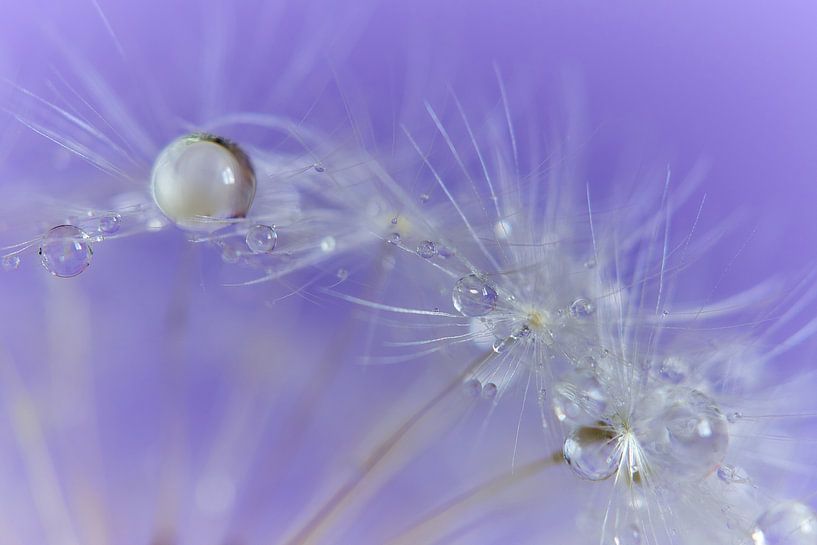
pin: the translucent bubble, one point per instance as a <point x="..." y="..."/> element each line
<point x="683" y="431"/>
<point x="394" y="238"/>
<point x="473" y="296"/>
<point x="592" y="453"/>
<point x="10" y="262"/>
<point x="261" y="239"/>
<point x="629" y="535"/>
<point x="65" y="251"/>
<point x="202" y="177"/>
<point x="427" y="249"/>
<point x="788" y="523"/>
<point x="581" y="308"/>
<point x="109" y="224"/>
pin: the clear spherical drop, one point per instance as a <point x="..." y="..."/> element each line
<point x="489" y="391"/>
<point x="427" y="249"/>
<point x="581" y="308"/>
<point x="109" y="224"/>
<point x="10" y="262"/>
<point x="591" y="453"/>
<point x="199" y="179"/>
<point x="66" y="251"/>
<point x="473" y="296"/>
<point x="394" y="238"/>
<point x="788" y="523"/>
<point x="683" y="431"/>
<point x="261" y="239"/>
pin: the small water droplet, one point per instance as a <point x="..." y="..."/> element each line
<point x="394" y="238"/>
<point x="109" y="224"/>
<point x="424" y="198"/>
<point x="581" y="308"/>
<point x="65" y="251"/>
<point x="328" y="244"/>
<point x="342" y="274"/>
<point x="473" y="296"/>
<point x="261" y="239"/>
<point x="319" y="167"/>
<point x="732" y="475"/>
<point x="590" y="264"/>
<point x="10" y="262"/>
<point x="489" y="391"/>
<point x="591" y="453"/>
<point x="787" y="523"/>
<point x="427" y="249"/>
<point x="734" y="417"/>
<point x="394" y="220"/>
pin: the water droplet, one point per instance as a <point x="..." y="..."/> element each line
<point x="65" y="251"/>
<point x="581" y="308"/>
<point x="672" y="370"/>
<point x="394" y="238"/>
<point x="427" y="249"/>
<point x="502" y="230"/>
<point x="199" y="178"/>
<point x="424" y="198"/>
<point x="472" y="296"/>
<point x="592" y="453"/>
<point x="732" y="475"/>
<point x="319" y="167"/>
<point x="489" y="391"/>
<point x="109" y="224"/>
<point x="473" y="387"/>
<point x="629" y="535"/>
<point x="342" y="274"/>
<point x="590" y="264"/>
<point x="734" y="417"/>
<point x="684" y="430"/>
<point x="261" y="239"/>
<point x="788" y="523"/>
<point x="394" y="220"/>
<point x="328" y="244"/>
<point x="10" y="262"/>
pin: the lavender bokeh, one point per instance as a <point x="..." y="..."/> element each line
<point x="145" y="366"/>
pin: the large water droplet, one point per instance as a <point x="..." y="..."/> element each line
<point x="592" y="453"/>
<point x="788" y="523"/>
<point x="66" y="251"/>
<point x="200" y="178"/>
<point x="473" y="296"/>
<point x="261" y="239"/>
<point x="683" y="431"/>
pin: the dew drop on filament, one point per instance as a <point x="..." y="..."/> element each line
<point x="261" y="239"/>
<point x="591" y="453"/>
<point x="473" y="296"/>
<point x="66" y="251"/>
